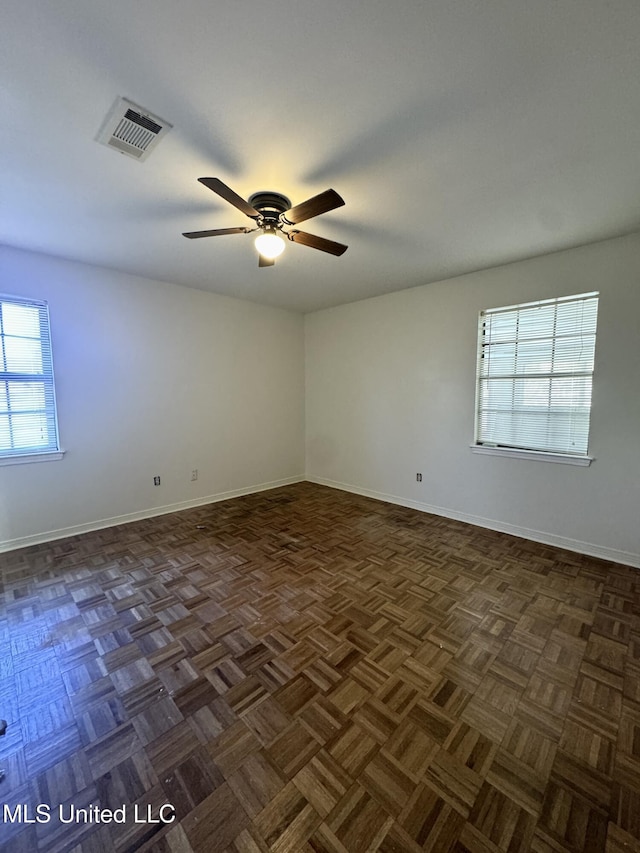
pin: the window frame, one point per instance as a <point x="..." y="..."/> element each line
<point x="486" y="446"/>
<point x="34" y="453"/>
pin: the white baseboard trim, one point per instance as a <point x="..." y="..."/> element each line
<point x="625" y="557"/>
<point x="63" y="533"/>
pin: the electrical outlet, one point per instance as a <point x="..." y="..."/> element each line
<point x="194" y="475"/>
<point x="418" y="478"/>
<point x="156" y="481"/>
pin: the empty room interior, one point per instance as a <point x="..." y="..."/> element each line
<point x="319" y="427"/>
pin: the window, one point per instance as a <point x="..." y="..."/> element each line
<point x="27" y="399"/>
<point x="534" y="375"/>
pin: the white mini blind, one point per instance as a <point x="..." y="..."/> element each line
<point x="27" y="397"/>
<point x="534" y="376"/>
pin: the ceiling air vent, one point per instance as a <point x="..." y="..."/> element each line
<point x="131" y="129"/>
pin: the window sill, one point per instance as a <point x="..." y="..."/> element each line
<point x="24" y="458"/>
<point x="535" y="455"/>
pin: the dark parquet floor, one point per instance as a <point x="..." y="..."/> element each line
<point x="306" y="670"/>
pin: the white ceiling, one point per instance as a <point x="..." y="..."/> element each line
<point x="462" y="134"/>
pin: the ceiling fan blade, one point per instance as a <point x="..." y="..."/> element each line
<point x="265" y="262"/>
<point x="317" y="242"/>
<point x="328" y="200"/>
<point x="192" y="235"/>
<point x="229" y="195"/>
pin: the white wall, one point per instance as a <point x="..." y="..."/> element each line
<point x="151" y="379"/>
<point x="390" y="388"/>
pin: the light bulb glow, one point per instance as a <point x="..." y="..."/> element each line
<point x="269" y="245"/>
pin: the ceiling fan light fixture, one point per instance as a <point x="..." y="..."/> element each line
<point x="269" y="244"/>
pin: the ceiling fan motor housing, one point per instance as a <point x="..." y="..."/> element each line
<point x="270" y="205"/>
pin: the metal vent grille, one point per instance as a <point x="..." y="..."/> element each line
<point x="131" y="129"/>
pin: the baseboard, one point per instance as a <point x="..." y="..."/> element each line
<point x="625" y="557"/>
<point x="63" y="533"/>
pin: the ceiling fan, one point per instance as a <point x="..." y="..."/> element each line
<point x="273" y="216"/>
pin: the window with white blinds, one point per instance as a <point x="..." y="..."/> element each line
<point x="27" y="398"/>
<point x="534" y="376"/>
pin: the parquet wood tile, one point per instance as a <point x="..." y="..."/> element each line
<point x="423" y="815"/>
<point x="287" y="821"/>
<point x="323" y="782"/>
<point x="358" y="821"/>
<point x="307" y="671"/>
